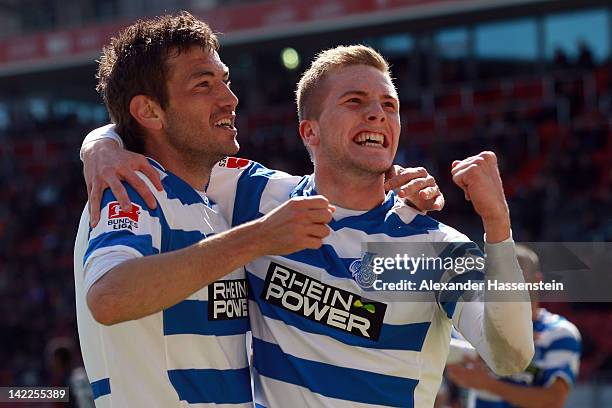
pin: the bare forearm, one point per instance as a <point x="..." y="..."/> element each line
<point x="497" y="229"/>
<point x="147" y="285"/>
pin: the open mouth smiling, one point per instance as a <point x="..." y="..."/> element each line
<point x="225" y="123"/>
<point x="371" y="139"/>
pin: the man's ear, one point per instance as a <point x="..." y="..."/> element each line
<point x="309" y="132"/>
<point x="147" y="112"/>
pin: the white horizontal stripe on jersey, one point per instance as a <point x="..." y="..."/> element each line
<point x="105" y="401"/>
<point x="189" y="217"/>
<point x="398" y="363"/>
<point x="97" y="265"/>
<point x="212" y="405"/>
<point x="344" y="241"/>
<point x="197" y="351"/>
<point x="557" y="358"/>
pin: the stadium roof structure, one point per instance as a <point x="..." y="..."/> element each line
<point x="240" y="23"/>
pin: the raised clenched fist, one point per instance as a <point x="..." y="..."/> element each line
<point x="478" y="177"/>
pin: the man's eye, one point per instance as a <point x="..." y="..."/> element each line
<point x="389" y="105"/>
<point x="354" y="100"/>
<point x="204" y="84"/>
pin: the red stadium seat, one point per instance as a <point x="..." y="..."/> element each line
<point x="602" y="78"/>
<point x="424" y="125"/>
<point x="452" y="100"/>
<point x="528" y="90"/>
<point x="462" y="122"/>
<point x="492" y="94"/>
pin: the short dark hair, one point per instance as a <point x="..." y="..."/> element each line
<point x="135" y="63"/>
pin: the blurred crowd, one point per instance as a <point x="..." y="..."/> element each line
<point x="553" y="137"/>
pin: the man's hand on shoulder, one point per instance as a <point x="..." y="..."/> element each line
<point x="105" y="164"/>
<point x="416" y="186"/>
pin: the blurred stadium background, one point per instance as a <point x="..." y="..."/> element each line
<point x="530" y="80"/>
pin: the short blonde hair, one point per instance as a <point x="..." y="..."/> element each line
<point x="310" y="89"/>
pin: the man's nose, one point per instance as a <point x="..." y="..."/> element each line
<point x="228" y="98"/>
<point x="376" y="113"/>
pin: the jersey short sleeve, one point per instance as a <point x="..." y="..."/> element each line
<point x="561" y="358"/>
<point x="120" y="235"/>
<point x="244" y="190"/>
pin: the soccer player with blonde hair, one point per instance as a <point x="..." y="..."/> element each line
<point x="321" y="337"/>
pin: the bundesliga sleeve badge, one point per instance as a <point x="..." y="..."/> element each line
<point x="122" y="220"/>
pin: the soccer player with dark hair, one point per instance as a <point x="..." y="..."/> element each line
<point x="161" y="290"/>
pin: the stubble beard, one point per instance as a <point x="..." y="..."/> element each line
<point x="197" y="150"/>
<point x="345" y="164"/>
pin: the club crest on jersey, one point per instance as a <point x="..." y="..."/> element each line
<point x="123" y="220"/>
<point x="227" y="299"/>
<point x="325" y="304"/>
<point x="362" y="270"/>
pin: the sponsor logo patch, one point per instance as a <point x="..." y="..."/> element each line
<point x="227" y="299"/>
<point x="119" y="219"/>
<point x="234" y="163"/>
<point x="322" y="303"/>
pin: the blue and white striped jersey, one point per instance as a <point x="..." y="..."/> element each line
<point x="319" y="339"/>
<point x="191" y="354"/>
<point x="557" y="355"/>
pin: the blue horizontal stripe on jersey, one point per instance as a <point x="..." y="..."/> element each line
<point x="201" y="386"/>
<point x="370" y="221"/>
<point x="328" y="259"/>
<point x="332" y="381"/>
<point x="392" y="226"/>
<point x="325" y="258"/>
<point x="179" y="239"/>
<point x="558" y="371"/>
<point x="491" y="404"/>
<point x="191" y="317"/>
<point x="562" y="344"/>
<point x="100" y="388"/>
<point x="409" y="336"/>
<point x="141" y="243"/>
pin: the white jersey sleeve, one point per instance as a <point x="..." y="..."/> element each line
<point x="120" y="236"/>
<point x="501" y="331"/>
<point x="104" y="132"/>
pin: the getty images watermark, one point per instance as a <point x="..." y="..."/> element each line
<point x="368" y="274"/>
<point x="570" y="272"/>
